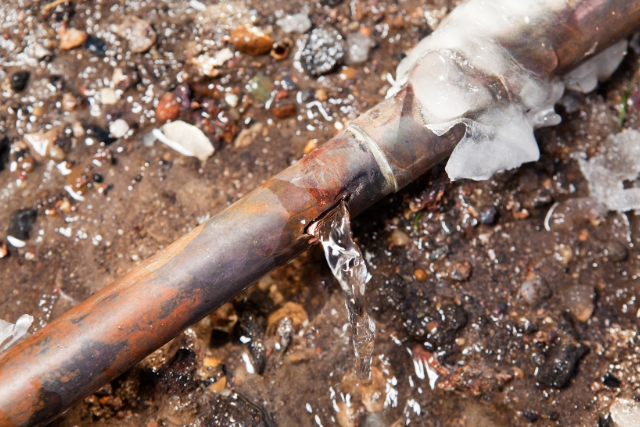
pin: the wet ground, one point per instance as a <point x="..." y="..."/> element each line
<point x="489" y="311"/>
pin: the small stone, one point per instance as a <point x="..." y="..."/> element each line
<point x="579" y="300"/>
<point x="284" y="110"/>
<point x="231" y="99"/>
<point x="616" y="251"/>
<point x="625" y="412"/>
<point x="420" y="274"/>
<point x="209" y="64"/>
<point x="290" y="310"/>
<point x="251" y="40"/>
<point x="95" y="46"/>
<point x="72" y="38"/>
<point x="100" y="134"/>
<point x="137" y="32"/>
<point x="260" y="86"/>
<point x="247" y="136"/>
<point x="20" y="224"/>
<point x="281" y="49"/>
<point x="358" y="46"/>
<point x="535" y="290"/>
<point x="323" y="50"/>
<point x="69" y="102"/>
<point x="310" y="146"/>
<point x="40" y="144"/>
<point x="321" y="95"/>
<point x="19" y="80"/>
<point x="186" y="139"/>
<point x="4" y="250"/>
<point x="287" y="83"/>
<point x="563" y="254"/>
<point x="108" y="96"/>
<point x="612" y="381"/>
<point x="168" y="108"/>
<point x="560" y="365"/>
<point x="399" y="238"/>
<point x="97" y="178"/>
<point x="488" y="215"/>
<point x="119" y="128"/>
<point x="298" y="23"/>
<point x="461" y="271"/>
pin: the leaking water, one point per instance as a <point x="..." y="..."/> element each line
<point x="348" y="266"/>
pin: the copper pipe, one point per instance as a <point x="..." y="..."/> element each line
<point x="380" y="153"/>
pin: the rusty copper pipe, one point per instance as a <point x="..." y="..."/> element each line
<point x="380" y="153"/>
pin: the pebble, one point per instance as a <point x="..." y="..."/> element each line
<point x="72" y="38"/>
<point x="488" y="215"/>
<point x="19" y="80"/>
<point x="119" y="128"/>
<point x="95" y="46"/>
<point x="579" y="300"/>
<point x="186" y="139"/>
<point x="460" y="271"/>
<point x="260" y="86"/>
<point x="310" y="146"/>
<point x="69" y="102"/>
<point x="20" y="225"/>
<point x="231" y="99"/>
<point x="399" y="238"/>
<point x="298" y="23"/>
<point x="560" y="364"/>
<point x="281" y="49"/>
<point x="287" y="83"/>
<point x="138" y="33"/>
<point x="290" y="310"/>
<point x="420" y="274"/>
<point x="108" y="96"/>
<point x="616" y="251"/>
<point x="40" y="144"/>
<point x="358" y="46"/>
<point x="99" y="133"/>
<point x="247" y="136"/>
<point x="323" y="50"/>
<point x="251" y="40"/>
<point x="168" y="108"/>
<point x="283" y="110"/>
<point x="4" y="250"/>
<point x="625" y="413"/>
<point x="535" y="290"/>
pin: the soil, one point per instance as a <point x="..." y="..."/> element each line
<point x="523" y="321"/>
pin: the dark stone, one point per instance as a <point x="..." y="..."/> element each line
<point x="177" y="376"/>
<point x="332" y="3"/>
<point x="611" y="381"/>
<point x="532" y="416"/>
<point x="98" y="178"/>
<point x="95" y="45"/>
<point x="19" y="80"/>
<point x="100" y="134"/>
<point x="219" y="338"/>
<point x="4" y="151"/>
<point x="233" y="409"/>
<point x="21" y="223"/>
<point x="604" y="420"/>
<point x="307" y="95"/>
<point x="183" y="96"/>
<point x="251" y="326"/>
<point x="323" y="50"/>
<point x="488" y="215"/>
<point x="57" y="82"/>
<point x="560" y="365"/>
<point x="616" y="251"/>
<point x="288" y="84"/>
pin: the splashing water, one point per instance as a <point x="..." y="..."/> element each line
<point x="347" y="264"/>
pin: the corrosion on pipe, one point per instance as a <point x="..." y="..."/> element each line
<point x="379" y="153"/>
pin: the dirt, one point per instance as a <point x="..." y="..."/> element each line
<point x="521" y="324"/>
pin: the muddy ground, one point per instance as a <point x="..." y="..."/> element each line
<point x="523" y="321"/>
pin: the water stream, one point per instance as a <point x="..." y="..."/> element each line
<point x="348" y="266"/>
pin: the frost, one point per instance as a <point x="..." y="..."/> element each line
<point x="606" y="172"/>
<point x="462" y="74"/>
<point x="10" y="333"/>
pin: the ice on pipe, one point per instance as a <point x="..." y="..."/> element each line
<point x="606" y="172"/>
<point x="461" y="74"/>
<point x="10" y="333"/>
